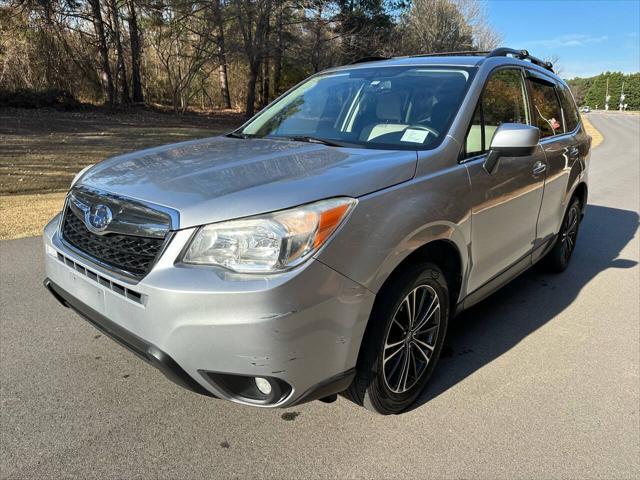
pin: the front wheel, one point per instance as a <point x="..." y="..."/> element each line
<point x="403" y="340"/>
<point x="558" y="258"/>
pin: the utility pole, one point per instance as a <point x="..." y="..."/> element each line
<point x="622" y="97"/>
<point x="607" y="97"/>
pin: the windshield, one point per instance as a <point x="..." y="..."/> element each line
<point x="388" y="108"/>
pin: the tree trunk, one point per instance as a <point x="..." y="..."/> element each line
<point x="254" y="71"/>
<point x="278" y="52"/>
<point x="264" y="100"/>
<point x="315" y="52"/>
<point x="254" y="43"/>
<point x="98" y="25"/>
<point x="134" y="38"/>
<point x="265" y="82"/>
<point x="121" y="70"/>
<point x="48" y="44"/>
<point x="224" y="85"/>
<point x="223" y="76"/>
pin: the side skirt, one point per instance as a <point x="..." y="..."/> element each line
<point x="500" y="280"/>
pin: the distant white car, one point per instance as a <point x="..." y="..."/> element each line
<point x="585" y="109"/>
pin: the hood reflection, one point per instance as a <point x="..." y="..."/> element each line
<point x="215" y="166"/>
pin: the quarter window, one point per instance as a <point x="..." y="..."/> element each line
<point x="546" y="109"/>
<point x="503" y="101"/>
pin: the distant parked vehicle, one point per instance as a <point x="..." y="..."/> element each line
<point x="324" y="246"/>
<point x="585" y="109"/>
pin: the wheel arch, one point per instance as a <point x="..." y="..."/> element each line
<point x="446" y="255"/>
<point x="581" y="191"/>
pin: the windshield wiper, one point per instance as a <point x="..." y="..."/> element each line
<point x="322" y="141"/>
<point x="238" y="135"/>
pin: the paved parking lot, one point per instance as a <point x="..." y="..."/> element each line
<point x="541" y="380"/>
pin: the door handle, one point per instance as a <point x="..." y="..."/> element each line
<point x="574" y="152"/>
<point x="539" y="167"/>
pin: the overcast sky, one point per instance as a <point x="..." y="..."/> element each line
<point x="588" y="36"/>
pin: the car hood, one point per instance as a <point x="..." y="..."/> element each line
<point x="221" y="178"/>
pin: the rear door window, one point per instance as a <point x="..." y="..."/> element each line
<point x="503" y="101"/>
<point x="547" y="113"/>
<point x="571" y="115"/>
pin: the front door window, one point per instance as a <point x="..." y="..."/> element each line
<point x="503" y="101"/>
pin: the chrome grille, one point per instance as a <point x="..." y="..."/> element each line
<point x="116" y="248"/>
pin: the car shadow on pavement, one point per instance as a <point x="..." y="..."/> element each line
<point x="494" y="326"/>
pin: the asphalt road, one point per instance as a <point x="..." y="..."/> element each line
<point x="540" y="380"/>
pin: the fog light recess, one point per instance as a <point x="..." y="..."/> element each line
<point x="257" y="390"/>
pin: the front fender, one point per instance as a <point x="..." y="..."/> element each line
<point x="388" y="226"/>
<point x="417" y="241"/>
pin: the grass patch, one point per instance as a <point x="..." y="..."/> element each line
<point x="26" y="215"/>
<point x="596" y="136"/>
<point x="42" y="149"/>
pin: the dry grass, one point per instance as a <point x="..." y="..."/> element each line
<point x="596" y="136"/>
<point x="41" y="150"/>
<point x="26" y="215"/>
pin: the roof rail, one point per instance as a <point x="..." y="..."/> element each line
<point x="453" y="54"/>
<point x="371" y="58"/>
<point x="522" y="55"/>
<point x="498" y="52"/>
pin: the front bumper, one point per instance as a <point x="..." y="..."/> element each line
<point x="302" y="327"/>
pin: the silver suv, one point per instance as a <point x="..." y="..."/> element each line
<point x="324" y="246"/>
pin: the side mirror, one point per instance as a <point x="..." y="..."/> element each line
<point x="511" y="140"/>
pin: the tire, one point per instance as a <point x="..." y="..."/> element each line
<point x="559" y="256"/>
<point x="395" y="360"/>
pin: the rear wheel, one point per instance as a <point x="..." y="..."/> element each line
<point x="403" y="340"/>
<point x="558" y="258"/>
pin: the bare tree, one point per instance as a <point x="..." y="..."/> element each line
<point x="485" y="37"/>
<point x="98" y="25"/>
<point x="121" y="70"/>
<point x="173" y="51"/>
<point x="181" y="40"/>
<point x="223" y="75"/>
<point x="266" y="69"/>
<point x="134" y="40"/>
<point x="252" y="17"/>
<point x="278" y="47"/>
<point x="555" y="61"/>
<point x="317" y="34"/>
<point x="436" y="26"/>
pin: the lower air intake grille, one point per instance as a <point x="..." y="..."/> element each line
<point x="105" y="282"/>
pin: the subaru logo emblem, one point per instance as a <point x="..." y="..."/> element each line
<point x="98" y="217"/>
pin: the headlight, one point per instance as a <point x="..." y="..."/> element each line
<point x="79" y="174"/>
<point x="268" y="243"/>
